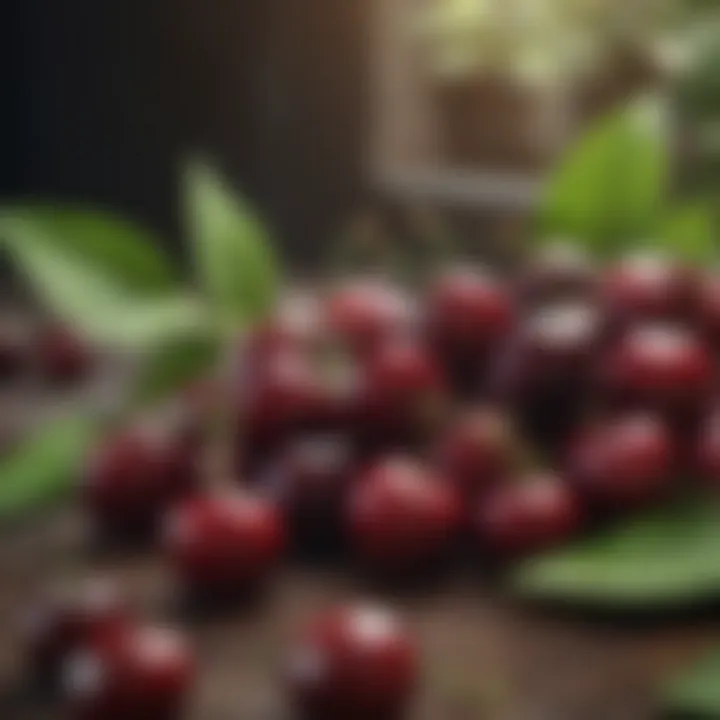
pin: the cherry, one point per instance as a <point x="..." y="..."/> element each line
<point x="661" y="367"/>
<point x="62" y="356"/>
<point x="707" y="450"/>
<point x="559" y="272"/>
<point x="353" y="663"/>
<point x="709" y="309"/>
<point x="402" y="515"/>
<point x="144" y="673"/>
<point x="476" y="451"/>
<point x="403" y="395"/>
<point x="545" y="373"/>
<point x="223" y="545"/>
<point x="649" y="286"/>
<point x="365" y="312"/>
<point x="624" y="463"/>
<point x="67" y="618"/>
<point x="468" y="312"/>
<point x="15" y="348"/>
<point x="132" y="478"/>
<point x="531" y="515"/>
<point x="309" y="481"/>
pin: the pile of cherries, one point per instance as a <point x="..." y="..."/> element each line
<point x="496" y="417"/>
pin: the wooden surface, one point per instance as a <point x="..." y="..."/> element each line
<point x="485" y="658"/>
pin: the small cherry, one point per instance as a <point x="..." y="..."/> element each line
<point x="709" y="309"/>
<point x="528" y="516"/>
<point x="365" y="312"/>
<point x="402" y="515"/>
<point x="559" y="272"/>
<point x="132" y="478"/>
<point x="145" y="673"/>
<point x="403" y="395"/>
<point x="62" y="356"/>
<point x="310" y="481"/>
<point x="476" y="450"/>
<point x="649" y="286"/>
<point x="469" y="311"/>
<point x="624" y="463"/>
<point x="661" y="367"/>
<point x="353" y="663"/>
<point x="67" y="618"/>
<point x="223" y="545"/>
<point x="15" y="348"/>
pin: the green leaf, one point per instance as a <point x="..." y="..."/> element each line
<point x="689" y="232"/>
<point x="696" y="693"/>
<point x="174" y="366"/>
<point x="234" y="256"/>
<point x="44" y="467"/>
<point x="101" y="307"/>
<point x="610" y="187"/>
<point x="127" y="255"/>
<point x="667" y="558"/>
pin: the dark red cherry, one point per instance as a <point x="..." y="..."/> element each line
<point x="469" y="312"/>
<point x="402" y="515"/>
<point x="706" y="460"/>
<point x="649" y="286"/>
<point x="402" y="395"/>
<point x="624" y="463"/>
<point x="144" y="673"/>
<point x="365" y="312"/>
<point x="353" y="663"/>
<point x="133" y="477"/>
<point x="62" y="355"/>
<point x="309" y="481"/>
<point x="527" y="516"/>
<point x="223" y="545"/>
<point x="478" y="449"/>
<point x="68" y="618"/>
<point x="662" y="367"/>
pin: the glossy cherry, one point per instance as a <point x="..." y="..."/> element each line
<point x="133" y="477"/>
<point x="530" y="515"/>
<point x="144" y="673"/>
<point x="469" y="311"/>
<point x="478" y="449"/>
<point x="624" y="463"/>
<point x="558" y="272"/>
<point x="402" y="515"/>
<point x="364" y="313"/>
<point x="649" y="286"/>
<point x="66" y="619"/>
<point x="309" y="481"/>
<point x="402" y="394"/>
<point x="709" y="309"/>
<point x="353" y="663"/>
<point x="223" y="545"/>
<point x="546" y="372"/>
<point x="662" y="367"/>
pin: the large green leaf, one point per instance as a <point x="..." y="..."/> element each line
<point x="102" y="307"/>
<point x="174" y="366"/>
<point x="127" y="255"/>
<point x="667" y="558"/>
<point x="610" y="187"/>
<point x="696" y="694"/>
<point x="234" y="256"/>
<point x="45" y="467"/>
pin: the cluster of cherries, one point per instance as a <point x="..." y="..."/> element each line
<point x="500" y="416"/>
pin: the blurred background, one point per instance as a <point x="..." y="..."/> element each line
<point x="323" y="110"/>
